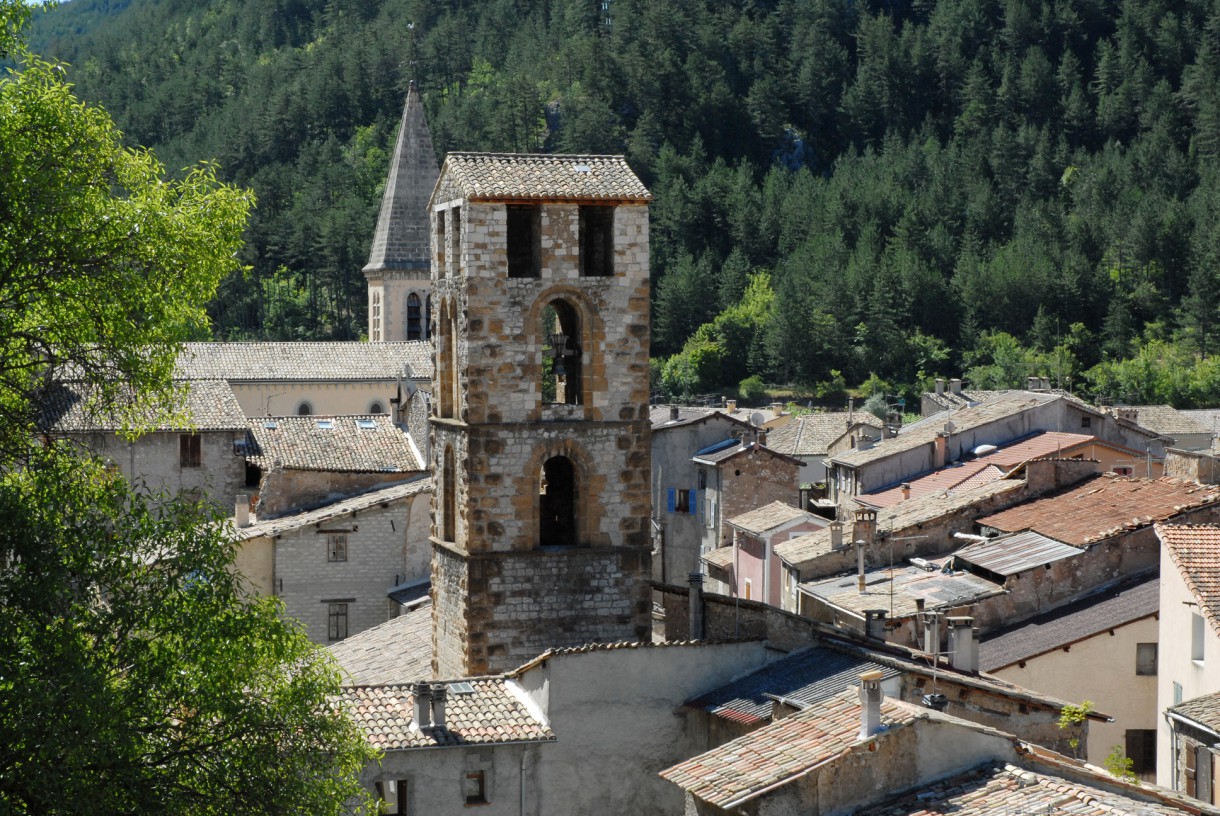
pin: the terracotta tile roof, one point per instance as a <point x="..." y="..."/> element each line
<point x="805" y="677"/>
<point x="618" y="646"/>
<point x="720" y="557"/>
<point x="813" y="434"/>
<point x="1014" y="553"/>
<point x="369" y="443"/>
<point x="739" y="770"/>
<point x="205" y="405"/>
<point x="313" y="361"/>
<point x="491" y="713"/>
<point x="1102" y="507"/>
<point x="1195" y="551"/>
<point x="899" y="590"/>
<point x="317" y="515"/>
<point x="1167" y="420"/>
<point x="906" y="514"/>
<point x="987" y="468"/>
<point x="1003" y="788"/>
<point x="513" y="176"/>
<point x="925" y="432"/>
<point x="397" y="651"/>
<point x="768" y="517"/>
<point x="1204" y="710"/>
<point x="1100" y="612"/>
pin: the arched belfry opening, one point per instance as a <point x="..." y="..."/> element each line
<point x="449" y="491"/>
<point x="415" y="329"/>
<point x="557" y="496"/>
<point x="446" y="363"/>
<point x="562" y="373"/>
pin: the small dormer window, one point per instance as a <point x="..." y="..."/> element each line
<point x="524" y="227"/>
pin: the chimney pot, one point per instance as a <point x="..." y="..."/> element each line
<point x="422" y="693"/>
<point x="241" y="510"/>
<point x="874" y="623"/>
<point x="439" y="692"/>
<point x="906" y="490"/>
<point x="870" y="703"/>
<point x="940" y="386"/>
<point x="860" y="565"/>
<point x="955" y="386"/>
<point x="777" y="408"/>
<point x="963" y="644"/>
<point x="836" y="535"/>
<point x="731" y="405"/>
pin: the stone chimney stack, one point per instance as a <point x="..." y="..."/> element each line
<point x="874" y="623"/>
<point x="696" y="605"/>
<point x="836" y="535"/>
<point x="906" y="490"/>
<point x="674" y="413"/>
<point x="241" y="510"/>
<point x="439" y="692"/>
<point x="870" y="703"/>
<point x="940" y="386"/>
<point x="422" y="693"/>
<point x="860" y="565"/>
<point x="865" y="527"/>
<point x="777" y="409"/>
<point x="963" y="645"/>
<point x="931" y="633"/>
<point x="940" y="447"/>
<point x="955" y="386"/>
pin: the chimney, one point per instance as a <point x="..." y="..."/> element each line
<point x="241" y="510"/>
<point x="874" y="623"/>
<point x="893" y="424"/>
<point x="963" y="645"/>
<point x="940" y="386"/>
<point x="906" y="490"/>
<point x="696" y="605"/>
<point x="777" y="409"/>
<point x="931" y="633"/>
<point x="730" y="406"/>
<point x="955" y="386"/>
<point x="939" y="447"/>
<point x="865" y="527"/>
<point x="761" y="436"/>
<point x="1032" y="383"/>
<point x="860" y="565"/>
<point x="439" y="693"/>
<point x="423" y="705"/>
<point x="674" y="413"/>
<point x="851" y="411"/>
<point x="870" y="703"/>
<point x="1129" y="414"/>
<point x="836" y="535"/>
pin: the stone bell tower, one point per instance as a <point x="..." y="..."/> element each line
<point x="540" y="423"/>
<point x="400" y="287"/>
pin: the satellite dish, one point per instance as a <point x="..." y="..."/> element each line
<point x="757" y="418"/>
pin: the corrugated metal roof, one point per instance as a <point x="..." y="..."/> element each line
<point x="1010" y="554"/>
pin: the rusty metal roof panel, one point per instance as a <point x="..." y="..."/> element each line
<point x="1011" y="554"/>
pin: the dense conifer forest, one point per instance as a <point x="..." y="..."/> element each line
<point x="847" y="191"/>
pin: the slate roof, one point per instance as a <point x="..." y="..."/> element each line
<point x="205" y="405"/>
<point x="907" y="514"/>
<point x="1014" y="553"/>
<point x="304" y="362"/>
<point x="397" y="651"/>
<point x="544" y="177"/>
<point x="813" y="434"/>
<point x="988" y="467"/>
<point x="1209" y="418"/>
<point x="767" y="517"/>
<point x="737" y="771"/>
<point x="326" y="512"/>
<point x="354" y="444"/>
<point x="805" y="677"/>
<point x="897" y="590"/>
<point x="1004" y="788"/>
<point x="1103" y="506"/>
<point x="968" y="418"/>
<point x="1167" y="420"/>
<point x="1081" y="619"/>
<point x="1204" y="710"/>
<point x="1195" y="551"/>
<point x="968" y="397"/>
<point x="491" y="714"/>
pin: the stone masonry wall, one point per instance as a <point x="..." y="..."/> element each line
<point x="152" y="462"/>
<point x="752" y="480"/>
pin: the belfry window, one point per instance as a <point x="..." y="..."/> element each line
<point x="428" y="317"/>
<point x="562" y="378"/>
<point x="446" y="361"/>
<point x="414" y="317"/>
<point x="557" y="503"/>
<point x="442" y="268"/>
<point x="596" y="242"/>
<point x="455" y="235"/>
<point x="524" y="228"/>
<point x="449" y="489"/>
<point x="375" y="317"/>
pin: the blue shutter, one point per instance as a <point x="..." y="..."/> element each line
<point x="693" y="508"/>
<point x="672" y="499"/>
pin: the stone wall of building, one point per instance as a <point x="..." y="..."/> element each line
<point x="287" y="490"/>
<point x="153" y="463"/>
<point x="277" y="398"/>
<point x="750" y="481"/>
<point x="1196" y="466"/>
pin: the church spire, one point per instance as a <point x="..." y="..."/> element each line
<point x="401" y="241"/>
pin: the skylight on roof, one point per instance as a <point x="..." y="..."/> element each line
<point x="325" y="424"/>
<point x="461" y="688"/>
<point x="582" y="168"/>
<point x="271" y="425"/>
<point x="366" y="424"/>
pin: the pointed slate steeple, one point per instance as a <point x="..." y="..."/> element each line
<point x="401" y="241"/>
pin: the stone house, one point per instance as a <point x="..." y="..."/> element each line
<point x="192" y="449"/>
<point x="1185" y="431"/>
<point x="1101" y="648"/>
<point x="734" y="477"/>
<point x="749" y="565"/>
<point x="813" y="437"/>
<point x="1187" y="677"/>
<point x="677" y="432"/>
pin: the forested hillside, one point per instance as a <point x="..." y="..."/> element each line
<point x="845" y="190"/>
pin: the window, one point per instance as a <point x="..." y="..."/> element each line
<point x="393" y="796"/>
<point x="336" y="619"/>
<point x="562" y="377"/>
<point x="1145" y="659"/>
<point x="596" y="241"/>
<point x="440" y="245"/>
<point x="190" y="450"/>
<point x="375" y="317"/>
<point x="475" y="788"/>
<point x="414" y="317"/>
<point x="336" y="546"/>
<point x="1123" y="471"/>
<point x="1086" y="422"/>
<point x="304" y="409"/>
<point x="524" y="225"/>
<point x="1141" y="750"/>
<point x="376" y="408"/>
<point x="449" y="489"/>
<point x="1197" y="632"/>
<point x="427" y="317"/>
<point x="557" y="503"/>
<point x="455" y="235"/>
<point x="683" y="501"/>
